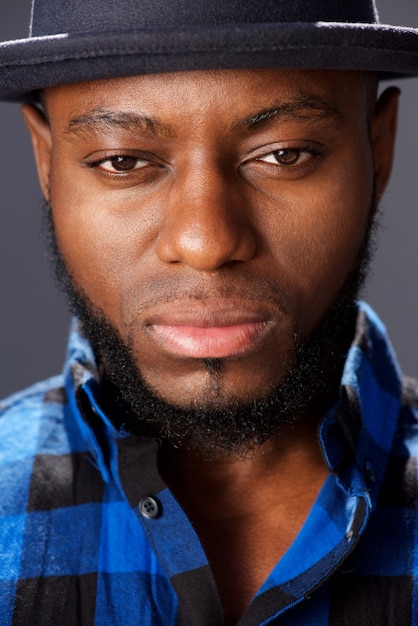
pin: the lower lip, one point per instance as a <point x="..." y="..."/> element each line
<point x="209" y="342"/>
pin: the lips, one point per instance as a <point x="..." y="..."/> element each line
<point x="198" y="332"/>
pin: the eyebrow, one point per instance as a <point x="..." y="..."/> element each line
<point x="311" y="108"/>
<point x="102" y="120"/>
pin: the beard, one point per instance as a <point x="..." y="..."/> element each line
<point x="220" y="426"/>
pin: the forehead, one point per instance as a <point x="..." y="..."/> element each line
<point x="232" y="94"/>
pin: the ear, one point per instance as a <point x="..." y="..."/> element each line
<point x="41" y="140"/>
<point x="383" y="134"/>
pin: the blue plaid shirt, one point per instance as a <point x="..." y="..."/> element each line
<point x="89" y="533"/>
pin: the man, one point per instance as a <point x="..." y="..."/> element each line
<point x="231" y="441"/>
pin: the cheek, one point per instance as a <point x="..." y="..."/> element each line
<point x="317" y="236"/>
<point x="105" y="240"/>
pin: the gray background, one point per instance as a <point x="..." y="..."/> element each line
<point x="33" y="318"/>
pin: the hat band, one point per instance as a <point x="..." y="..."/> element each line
<point x="51" y="17"/>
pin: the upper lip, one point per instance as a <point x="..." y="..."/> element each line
<point x="214" y="313"/>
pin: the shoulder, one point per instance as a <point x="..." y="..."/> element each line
<point x="38" y="390"/>
<point x="400" y="485"/>
<point x="26" y="418"/>
<point x="408" y="418"/>
<point x="410" y="392"/>
<point x="34" y="399"/>
<point x="406" y="437"/>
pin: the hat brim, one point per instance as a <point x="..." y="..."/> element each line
<point x="28" y="65"/>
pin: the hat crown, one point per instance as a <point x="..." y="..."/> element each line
<point x="51" y="17"/>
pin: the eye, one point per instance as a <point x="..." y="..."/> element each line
<point x="121" y="164"/>
<point x="284" y="161"/>
<point x="122" y="169"/>
<point x="287" y="157"/>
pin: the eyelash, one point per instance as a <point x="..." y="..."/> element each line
<point x="312" y="152"/>
<point x="294" y="169"/>
<point x="298" y="152"/>
<point x="112" y="159"/>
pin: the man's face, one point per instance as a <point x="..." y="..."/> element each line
<point x="212" y="217"/>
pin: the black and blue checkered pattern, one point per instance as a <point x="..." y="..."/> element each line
<point x="76" y="549"/>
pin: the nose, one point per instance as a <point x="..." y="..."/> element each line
<point x="206" y="221"/>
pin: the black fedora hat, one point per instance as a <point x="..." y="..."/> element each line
<point x="79" y="40"/>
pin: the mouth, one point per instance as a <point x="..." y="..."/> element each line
<point x="203" y="332"/>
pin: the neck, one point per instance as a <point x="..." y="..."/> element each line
<point x="247" y="511"/>
<point x="189" y="473"/>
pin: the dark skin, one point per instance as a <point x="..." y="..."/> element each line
<point x="173" y="200"/>
<point x="248" y="512"/>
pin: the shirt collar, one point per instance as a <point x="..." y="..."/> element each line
<point x="357" y="434"/>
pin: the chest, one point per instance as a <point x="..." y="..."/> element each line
<point x="243" y="550"/>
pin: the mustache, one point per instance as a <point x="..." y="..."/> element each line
<point x="229" y="284"/>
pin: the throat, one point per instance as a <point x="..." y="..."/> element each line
<point x="247" y="512"/>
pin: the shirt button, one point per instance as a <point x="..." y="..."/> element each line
<point x="149" y="507"/>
